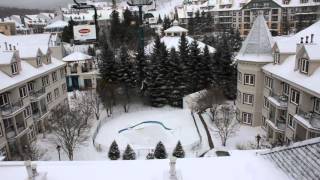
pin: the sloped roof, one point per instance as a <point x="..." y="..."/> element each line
<point x="6" y="57"/>
<point x="258" y="45"/>
<point x="300" y="160"/>
<point x="175" y="29"/>
<point x="57" y="24"/>
<point x="77" y="56"/>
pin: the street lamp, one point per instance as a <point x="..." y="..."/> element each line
<point x="58" y="149"/>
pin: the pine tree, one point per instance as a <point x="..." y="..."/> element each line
<point x="193" y="66"/>
<point x="204" y="70"/>
<point x="160" y="21"/>
<point x="150" y="156"/>
<point x="91" y="51"/>
<point x="129" y="154"/>
<point x="67" y="33"/>
<point x="114" y="153"/>
<point x="116" y="29"/>
<point x="166" y="23"/>
<point x="178" y="151"/>
<point x="183" y="58"/>
<point x="160" y="151"/>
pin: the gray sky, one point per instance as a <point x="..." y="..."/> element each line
<point x="35" y="4"/>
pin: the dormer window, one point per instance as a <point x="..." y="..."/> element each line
<point x="276" y="57"/>
<point x="39" y="63"/>
<point x="48" y="59"/>
<point x="14" y="68"/>
<point x="304" y="65"/>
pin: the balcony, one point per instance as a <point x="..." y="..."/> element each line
<point x="310" y="120"/>
<point x="278" y="126"/>
<point x="11" y="109"/>
<point x="37" y="94"/>
<point x="281" y="102"/>
<point x="12" y="133"/>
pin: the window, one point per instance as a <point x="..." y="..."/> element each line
<point x="14" y="68"/>
<point x="295" y="96"/>
<point x="276" y="57"/>
<point x="54" y="76"/>
<point x="27" y="112"/>
<point x="317" y="105"/>
<point x="247" y="99"/>
<point x="304" y="65"/>
<point x="39" y="63"/>
<point x="239" y="76"/>
<point x="49" y="97"/>
<point x="56" y="93"/>
<point x="30" y="86"/>
<point x="247" y="118"/>
<point x="249" y="79"/>
<point x="4" y="99"/>
<point x="266" y="103"/>
<point x="45" y="81"/>
<point x="291" y="122"/>
<point x="285" y="88"/>
<point x="268" y="82"/>
<point x="23" y="92"/>
<point x="48" y="59"/>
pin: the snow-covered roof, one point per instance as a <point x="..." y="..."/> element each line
<point x="299" y="160"/>
<point x="57" y="24"/>
<point x="28" y="73"/>
<point x="6" y="57"/>
<point x="285" y="71"/>
<point x="77" y="56"/>
<point x="244" y="165"/>
<point x="313" y="51"/>
<point x="173" y="42"/>
<point x="258" y="45"/>
<point x="175" y="29"/>
<point x="289" y="44"/>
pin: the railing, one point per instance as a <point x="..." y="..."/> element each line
<point x="11" y="108"/>
<point x="281" y="99"/>
<point x="40" y="92"/>
<point x="312" y="117"/>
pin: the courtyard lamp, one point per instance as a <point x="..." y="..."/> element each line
<point x="58" y="149"/>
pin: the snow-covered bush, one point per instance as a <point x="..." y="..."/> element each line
<point x="150" y="155"/>
<point x="129" y="154"/>
<point x="178" y="151"/>
<point x="160" y="151"/>
<point x="114" y="153"/>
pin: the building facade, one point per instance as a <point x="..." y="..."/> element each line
<point x="285" y="94"/>
<point x="32" y="83"/>
<point x="282" y="16"/>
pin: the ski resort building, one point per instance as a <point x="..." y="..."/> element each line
<point x="278" y="83"/>
<point x="172" y="38"/>
<point x="282" y="16"/>
<point x="32" y="83"/>
<point x="81" y="71"/>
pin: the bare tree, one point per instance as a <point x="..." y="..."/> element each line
<point x="106" y="92"/>
<point x="96" y="104"/>
<point x="85" y="104"/>
<point x="70" y="127"/>
<point x="32" y="152"/>
<point x="225" y="122"/>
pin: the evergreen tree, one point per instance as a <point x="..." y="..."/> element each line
<point x="191" y="25"/>
<point x="107" y="64"/>
<point x="183" y="58"/>
<point x="150" y="156"/>
<point x="178" y="151"/>
<point x="204" y="71"/>
<point x="114" y="153"/>
<point x="91" y="51"/>
<point x="160" y="151"/>
<point x="116" y="29"/>
<point x="160" y="21"/>
<point x="67" y="33"/>
<point x="193" y="66"/>
<point x="166" y="23"/>
<point x="129" y="154"/>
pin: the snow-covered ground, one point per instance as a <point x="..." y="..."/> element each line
<point x="144" y="137"/>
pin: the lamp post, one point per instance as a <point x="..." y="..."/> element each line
<point x="58" y="149"/>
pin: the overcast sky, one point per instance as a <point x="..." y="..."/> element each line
<point x="43" y="4"/>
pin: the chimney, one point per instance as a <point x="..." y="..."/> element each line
<point x="14" y="48"/>
<point x="307" y="38"/>
<point x="312" y="35"/>
<point x="10" y="47"/>
<point x="301" y="42"/>
<point x="6" y="45"/>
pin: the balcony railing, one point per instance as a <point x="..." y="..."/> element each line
<point x="12" y="108"/>
<point x="278" y="100"/>
<point x="309" y="119"/>
<point x="38" y="93"/>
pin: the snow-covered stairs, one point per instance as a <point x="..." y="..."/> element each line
<point x="301" y="160"/>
